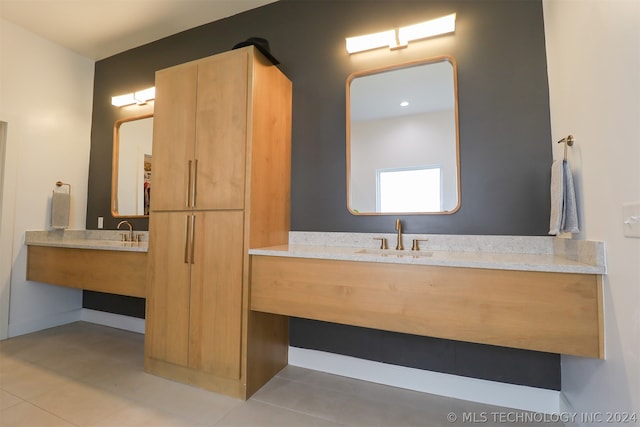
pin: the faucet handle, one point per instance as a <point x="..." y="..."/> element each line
<point x="415" y="246"/>
<point x="383" y="242"/>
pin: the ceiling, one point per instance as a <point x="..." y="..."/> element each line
<point x="426" y="87"/>
<point x="98" y="29"/>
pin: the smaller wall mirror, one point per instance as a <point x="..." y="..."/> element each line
<point x="402" y="139"/>
<point x="131" y="168"/>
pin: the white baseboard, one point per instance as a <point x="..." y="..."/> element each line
<point x="567" y="408"/>
<point x="21" y="328"/>
<point x="472" y="389"/>
<point x="118" y="321"/>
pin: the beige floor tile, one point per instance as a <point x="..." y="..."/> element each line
<point x="320" y="380"/>
<point x="45" y="350"/>
<point x="26" y="414"/>
<point x="80" y="403"/>
<point x="368" y="413"/>
<point x="134" y="415"/>
<point x="371" y="404"/>
<point x="347" y="385"/>
<point x="302" y="397"/>
<point x="91" y="375"/>
<point x="192" y="403"/>
<point x="7" y="400"/>
<point x="97" y="347"/>
<point x="349" y="402"/>
<point x="254" y="413"/>
<point x="27" y="380"/>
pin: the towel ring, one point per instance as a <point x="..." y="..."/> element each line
<point x="568" y="141"/>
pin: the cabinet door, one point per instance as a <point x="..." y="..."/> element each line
<point x="221" y="131"/>
<point x="216" y="293"/>
<point x="168" y="288"/>
<point x="173" y="137"/>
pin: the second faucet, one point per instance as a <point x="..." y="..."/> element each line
<point x="128" y="238"/>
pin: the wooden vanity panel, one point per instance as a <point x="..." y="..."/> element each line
<point x="114" y="272"/>
<point x="551" y="312"/>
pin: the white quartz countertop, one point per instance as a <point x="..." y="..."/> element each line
<point x="108" y="240"/>
<point x="546" y="254"/>
<point x="525" y="253"/>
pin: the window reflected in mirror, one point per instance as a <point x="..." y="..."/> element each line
<point x="402" y="139"/>
<point x="396" y="189"/>
<point x="132" y="166"/>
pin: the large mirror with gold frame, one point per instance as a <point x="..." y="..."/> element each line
<point x="131" y="167"/>
<point x="402" y="139"/>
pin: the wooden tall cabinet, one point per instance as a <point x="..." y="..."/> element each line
<point x="221" y="184"/>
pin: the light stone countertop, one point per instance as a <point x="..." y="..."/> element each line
<point x="524" y="253"/>
<point x="108" y="240"/>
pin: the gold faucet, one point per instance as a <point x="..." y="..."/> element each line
<point x="130" y="237"/>
<point x="399" y="246"/>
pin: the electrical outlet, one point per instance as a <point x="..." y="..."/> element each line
<point x="631" y="219"/>
<point x="100" y="222"/>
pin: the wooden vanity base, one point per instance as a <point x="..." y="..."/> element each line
<point x="115" y="272"/>
<point x="550" y="312"/>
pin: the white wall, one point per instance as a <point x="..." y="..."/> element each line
<point x="45" y="97"/>
<point x="593" y="51"/>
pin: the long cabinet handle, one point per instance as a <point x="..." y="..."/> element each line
<point x="187" y="236"/>
<point x="194" y="190"/>
<point x="193" y="238"/>
<point x="189" y="187"/>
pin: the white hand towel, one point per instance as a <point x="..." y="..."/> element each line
<point x="564" y="212"/>
<point x="60" y="207"/>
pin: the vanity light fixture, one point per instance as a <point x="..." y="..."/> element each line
<point x="371" y="41"/>
<point x="400" y="37"/>
<point x="141" y="97"/>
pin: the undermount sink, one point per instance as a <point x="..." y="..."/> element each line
<point x="394" y="253"/>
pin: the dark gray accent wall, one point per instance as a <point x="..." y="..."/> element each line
<point x="505" y="145"/>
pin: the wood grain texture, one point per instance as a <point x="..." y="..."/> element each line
<point x="551" y="312"/>
<point x="221" y="128"/>
<point x="167" y="317"/>
<point x="269" y="157"/>
<point x="215" y="311"/>
<point x="115" y="272"/>
<point x="196" y="377"/>
<point x="267" y="348"/>
<point x="199" y="327"/>
<point x="173" y="136"/>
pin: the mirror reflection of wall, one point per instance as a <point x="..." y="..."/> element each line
<point x="132" y="166"/>
<point x="403" y="139"/>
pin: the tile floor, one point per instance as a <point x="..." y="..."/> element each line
<point x="84" y="374"/>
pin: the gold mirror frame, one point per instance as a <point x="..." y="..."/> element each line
<point x="116" y="162"/>
<point x="401" y="66"/>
